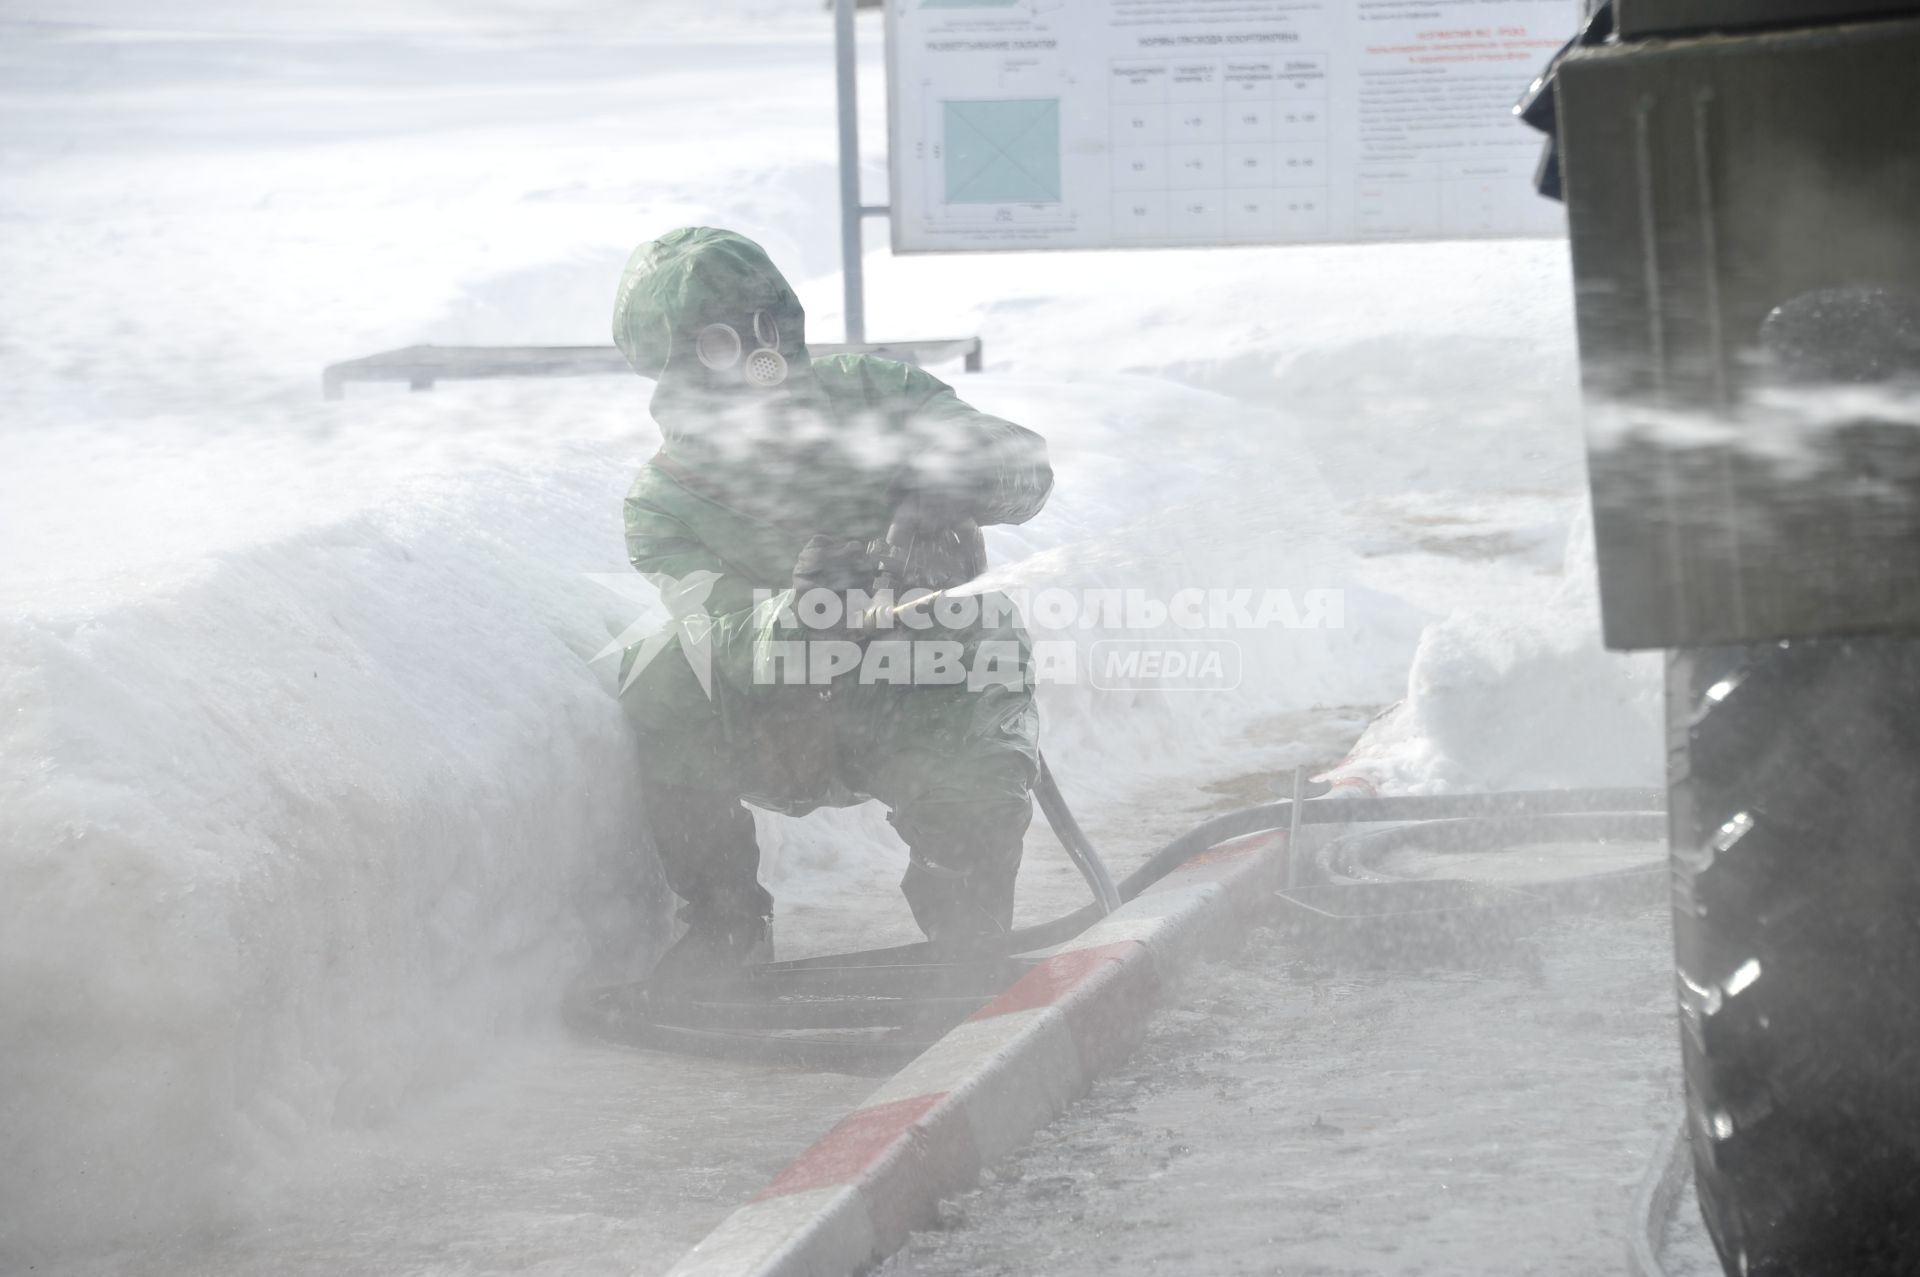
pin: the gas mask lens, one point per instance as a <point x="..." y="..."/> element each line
<point x="719" y="348"/>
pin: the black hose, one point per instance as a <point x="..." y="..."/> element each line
<point x="972" y="544"/>
<point x="1079" y="848"/>
<point x="1262" y="819"/>
<point x="1356" y="856"/>
<point x="881" y="1007"/>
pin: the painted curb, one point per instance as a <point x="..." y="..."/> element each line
<point x="980" y="1091"/>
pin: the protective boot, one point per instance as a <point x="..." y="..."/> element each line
<point x="714" y="948"/>
<point x="965" y="913"/>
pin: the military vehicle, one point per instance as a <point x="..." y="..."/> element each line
<point x="1742" y="180"/>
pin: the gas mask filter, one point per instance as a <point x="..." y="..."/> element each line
<point x="720" y="349"/>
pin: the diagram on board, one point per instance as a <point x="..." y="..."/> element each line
<point x="1031" y="124"/>
<point x="1001" y="152"/>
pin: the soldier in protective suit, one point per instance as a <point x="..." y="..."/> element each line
<point x="775" y="474"/>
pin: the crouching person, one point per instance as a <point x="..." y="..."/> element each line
<point x="777" y="475"/>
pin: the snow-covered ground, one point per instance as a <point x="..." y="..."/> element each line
<point x="311" y="798"/>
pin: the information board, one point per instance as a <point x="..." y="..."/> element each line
<point x="1140" y="123"/>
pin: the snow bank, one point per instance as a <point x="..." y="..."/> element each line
<point x="299" y="826"/>
<point x="1187" y="491"/>
<point x="1401" y="366"/>
<point x="1519" y="698"/>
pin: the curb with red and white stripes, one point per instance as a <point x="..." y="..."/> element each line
<point x="980" y="1091"/>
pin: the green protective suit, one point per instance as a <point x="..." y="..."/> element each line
<point x="744" y="478"/>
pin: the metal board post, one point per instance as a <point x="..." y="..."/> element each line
<point x="847" y="94"/>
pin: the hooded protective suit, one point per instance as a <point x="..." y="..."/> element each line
<point x="745" y="476"/>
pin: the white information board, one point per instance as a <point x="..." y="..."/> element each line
<point x="1138" y="123"/>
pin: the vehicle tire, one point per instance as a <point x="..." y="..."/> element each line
<point x="1794" y="778"/>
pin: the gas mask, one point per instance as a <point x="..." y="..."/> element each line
<point x="721" y="350"/>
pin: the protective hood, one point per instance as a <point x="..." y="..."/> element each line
<point x="683" y="281"/>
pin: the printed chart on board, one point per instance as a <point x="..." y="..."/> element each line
<point x="1118" y="123"/>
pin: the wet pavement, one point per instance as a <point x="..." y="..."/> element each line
<point x="1293" y="1117"/>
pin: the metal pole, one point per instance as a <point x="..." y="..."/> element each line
<point x="847" y="92"/>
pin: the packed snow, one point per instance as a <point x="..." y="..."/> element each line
<point x="312" y="798"/>
<point x="1521" y="697"/>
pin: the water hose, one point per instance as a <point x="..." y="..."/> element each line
<point x="1079" y="848"/>
<point x="1267" y="818"/>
